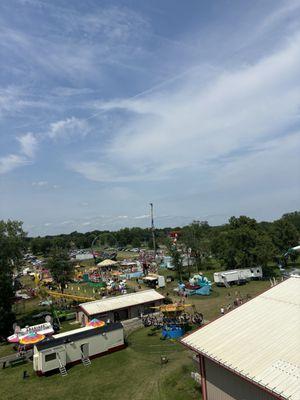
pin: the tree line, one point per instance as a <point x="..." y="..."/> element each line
<point x="126" y="237"/>
<point x="241" y="242"/>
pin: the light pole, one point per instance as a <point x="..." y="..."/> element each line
<point x="152" y="228"/>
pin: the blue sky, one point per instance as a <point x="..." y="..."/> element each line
<point x="106" y="106"/>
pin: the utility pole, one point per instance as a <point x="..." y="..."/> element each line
<point x="152" y="229"/>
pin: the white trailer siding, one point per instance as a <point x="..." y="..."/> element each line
<point x="72" y="350"/>
<point x="229" y="276"/>
<point x="237" y="275"/>
<point x="48" y="360"/>
<point x="85" y="256"/>
<point x="256" y="272"/>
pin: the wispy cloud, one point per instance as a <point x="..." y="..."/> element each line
<point x="68" y="128"/>
<point x="40" y="183"/>
<point x="280" y="14"/>
<point x="28" y="144"/>
<point x="192" y="115"/>
<point x="12" y="161"/>
<point x="142" y="216"/>
<point x="108" y="36"/>
<point x="8" y="99"/>
<point x="191" y="128"/>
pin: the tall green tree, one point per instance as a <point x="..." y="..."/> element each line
<point x="293" y="218"/>
<point x="41" y="245"/>
<point x="196" y="237"/>
<point x="284" y="234"/>
<point x="12" y="244"/>
<point x="60" y="266"/>
<point x="243" y="244"/>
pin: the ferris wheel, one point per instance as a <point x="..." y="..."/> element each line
<point x="102" y="246"/>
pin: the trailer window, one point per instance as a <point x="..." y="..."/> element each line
<point x="50" y="357"/>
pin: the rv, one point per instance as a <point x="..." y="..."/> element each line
<point x="238" y="276"/>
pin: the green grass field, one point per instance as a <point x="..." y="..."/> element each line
<point x="210" y="306"/>
<point x="133" y="373"/>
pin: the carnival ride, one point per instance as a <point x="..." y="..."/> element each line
<point x="69" y="296"/>
<point x="198" y="284"/>
<point x="44" y="329"/>
<point x="173" y="319"/>
<point x="99" y="245"/>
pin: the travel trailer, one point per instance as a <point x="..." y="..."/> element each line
<point x="77" y="346"/>
<point x="238" y="276"/>
<point x="153" y="280"/>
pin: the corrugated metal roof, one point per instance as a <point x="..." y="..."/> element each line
<point x="122" y="301"/>
<point x="260" y="339"/>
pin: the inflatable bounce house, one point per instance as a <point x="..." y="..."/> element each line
<point x="198" y="284"/>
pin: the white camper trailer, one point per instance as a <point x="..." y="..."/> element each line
<point x="238" y="276"/>
<point x="255" y="273"/>
<point x="79" y="345"/>
<point x="154" y="280"/>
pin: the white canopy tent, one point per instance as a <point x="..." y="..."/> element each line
<point x="107" y="263"/>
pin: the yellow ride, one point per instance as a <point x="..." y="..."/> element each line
<point x="172" y="309"/>
<point x="69" y="296"/>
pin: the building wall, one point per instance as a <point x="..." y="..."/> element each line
<point x="123" y="314"/>
<point x="224" y="385"/>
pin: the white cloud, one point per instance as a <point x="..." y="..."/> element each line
<point x="277" y="161"/>
<point x="86" y="223"/>
<point x="76" y="45"/>
<point x="64" y="129"/>
<point x="12" y="161"/>
<point x="28" y="144"/>
<point x="14" y="99"/>
<point x="280" y="14"/>
<point x="71" y="222"/>
<point x="191" y="127"/>
<point x="68" y="128"/>
<point x="115" y="25"/>
<point x="9" y="99"/>
<point x="65" y="91"/>
<point x="142" y="216"/>
<point x="40" y="183"/>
